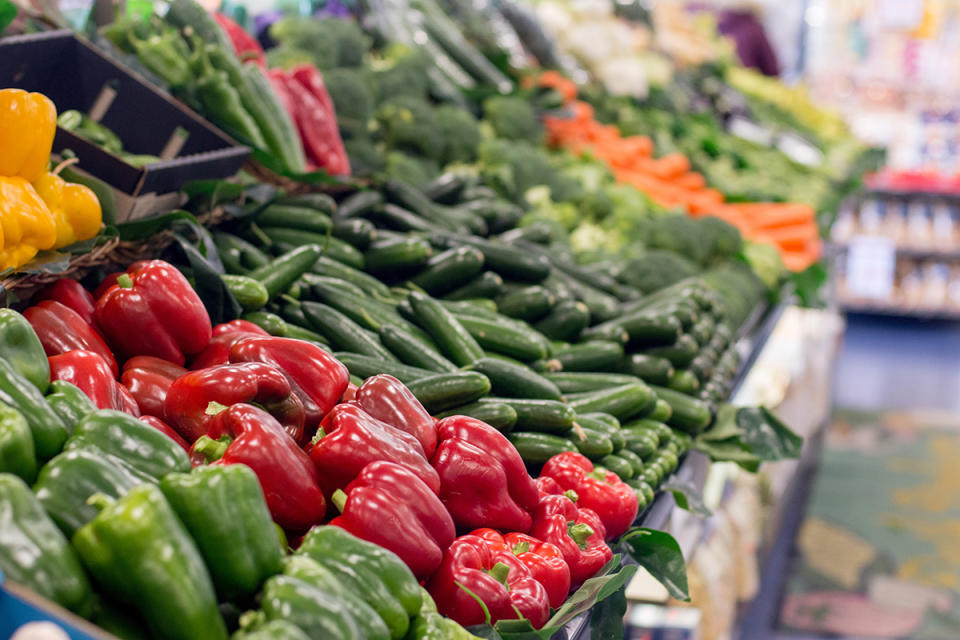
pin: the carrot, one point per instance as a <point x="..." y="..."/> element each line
<point x="672" y="165"/>
<point x="792" y="238"/>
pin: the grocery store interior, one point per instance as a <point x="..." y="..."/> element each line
<point x="462" y="319"/>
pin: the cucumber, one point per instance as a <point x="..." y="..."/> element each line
<point x="499" y="415"/>
<point x="448" y="270"/>
<point x="515" y="380"/>
<point x="548" y="416"/>
<point x="566" y="321"/>
<point x="447" y="390"/>
<point x="603" y="427"/>
<point x="684" y="442"/>
<point x="580" y="381"/>
<point x="702" y="331"/>
<point x="585" y="356"/>
<point x="409" y="197"/>
<point x="411" y="349"/>
<point x="402" y="219"/>
<point x="310" y="279"/>
<point x="269" y="322"/>
<point x="445" y="188"/>
<point x="537" y="448"/>
<point x="661" y="411"/>
<point x="334" y="248"/>
<point x="620" y="466"/>
<point x="238" y="255"/>
<point x="652" y="473"/>
<point x="622" y="402"/>
<point x="642" y="442"/>
<point x="644" y="488"/>
<point x="302" y="333"/>
<point x="365" y="311"/>
<point x="680" y="353"/>
<point x="668" y="459"/>
<point x="248" y="292"/>
<point x="611" y="421"/>
<point x="636" y="462"/>
<point x="592" y="444"/>
<point x="393" y="254"/>
<point x="317" y="201"/>
<point x="651" y="327"/>
<point x="487" y="285"/>
<point x="703" y="365"/>
<point x="508" y="261"/>
<point x="506" y="339"/>
<point x="602" y="306"/>
<point x="325" y="266"/>
<point x="342" y="332"/>
<point x="483" y="307"/>
<point x="607" y="331"/>
<point x="294" y="217"/>
<point x="358" y="204"/>
<point x="454" y="341"/>
<point x="650" y="369"/>
<point x="652" y="427"/>
<point x="690" y="415"/>
<point x="355" y="231"/>
<point x="366" y="366"/>
<point x="684" y="381"/>
<point x="526" y="303"/>
<point x="279" y="275"/>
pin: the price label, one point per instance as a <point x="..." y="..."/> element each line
<point x="871" y="267"/>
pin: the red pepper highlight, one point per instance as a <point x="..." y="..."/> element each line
<point x="223" y="337"/>
<point x="89" y="372"/>
<point x="578" y="533"/>
<point x="387" y="399"/>
<point x="544" y="560"/>
<point x="148" y="379"/>
<point x="72" y="294"/>
<point x="61" y="329"/>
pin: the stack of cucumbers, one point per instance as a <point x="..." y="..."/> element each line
<point x="441" y="289"/>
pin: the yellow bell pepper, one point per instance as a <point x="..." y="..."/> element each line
<point x="26" y="221"/>
<point x="75" y="209"/>
<point x="28" y="122"/>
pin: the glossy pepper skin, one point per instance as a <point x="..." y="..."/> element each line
<point x="190" y="395"/>
<point x="495" y="576"/>
<point x="35" y="554"/>
<point x="349" y="439"/>
<point x="578" y="533"/>
<point x="70" y="293"/>
<point x="377" y="575"/>
<point x="318" y="613"/>
<point x="430" y="625"/>
<point x="75" y="209"/>
<point x="125" y="438"/>
<point x="90" y="373"/>
<point x="544" y="560"/>
<point x="224" y="511"/>
<point x="135" y="314"/>
<point x="601" y="491"/>
<point x="223" y="337"/>
<point x="148" y="379"/>
<point x="387" y="399"/>
<point x="49" y="431"/>
<point x="62" y="329"/>
<point x="20" y="346"/>
<point x="278" y="629"/>
<point x="28" y="122"/>
<point x="287" y="476"/>
<point x="315" y="376"/>
<point x="137" y="550"/>
<point x="166" y="430"/>
<point x="16" y="445"/>
<point x="69" y="402"/>
<point x="26" y="222"/>
<point x="484" y="482"/>
<point x="67" y="482"/>
<point x="388" y="505"/>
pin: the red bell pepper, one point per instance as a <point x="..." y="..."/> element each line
<point x="188" y="409"/>
<point x="244" y="45"/>
<point x="153" y="311"/>
<point x="89" y="372"/>
<point x="244" y="434"/>
<point x="72" y="294"/>
<point x="578" y="533"/>
<point x="316" y="120"/>
<point x="349" y="439"/>
<point x="350" y="393"/>
<point x="61" y="329"/>
<point x="315" y="376"/>
<point x="544" y="560"/>
<point x="223" y="337"/>
<point x="483" y="479"/>
<point x="497" y="577"/>
<point x="148" y="379"/>
<point x="108" y="281"/>
<point x="166" y="430"/>
<point x="388" y="505"/>
<point x="598" y="490"/>
<point x="386" y="398"/>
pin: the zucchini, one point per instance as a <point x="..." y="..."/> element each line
<point x="248" y="292"/>
<point x="537" y="448"/>
<point x="269" y="322"/>
<point x="636" y="462"/>
<point x="487" y="285"/>
<point x="448" y="270"/>
<point x="411" y="349"/>
<point x="580" y="381"/>
<point x="325" y="266"/>
<point x="505" y="338"/>
<point x="355" y="231"/>
<point x="393" y="254"/>
<point x="342" y="332"/>
<point x="592" y="444"/>
<point x="515" y="381"/>
<point x="661" y="411"/>
<point x="586" y="356"/>
<point x="622" y="467"/>
<point x="279" y="275"/>
<point x="684" y="381"/>
<point x="359" y="204"/>
<point x="317" y="201"/>
<point x="366" y="366"/>
<point x="680" y="353"/>
<point x="526" y="303"/>
<point x="294" y="217"/>
<point x="565" y="321"/>
<point x="548" y="416"/>
<point x="690" y="415"/>
<point x="499" y="415"/>
<point x="455" y="341"/>
<point x="447" y="390"/>
<point x="508" y="261"/>
<point x="650" y="369"/>
<point x="622" y="402"/>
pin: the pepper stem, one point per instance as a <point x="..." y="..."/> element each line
<point x="570" y="493"/>
<point x="214" y="408"/>
<point x="125" y="281"/>
<point x="339" y="499"/>
<point x="521" y="547"/>
<point x="252" y="619"/>
<point x="318" y="436"/>
<point x="580" y="533"/>
<point x="63" y="165"/>
<point x="499" y="571"/>
<point x="211" y="449"/>
<point x="100" y="501"/>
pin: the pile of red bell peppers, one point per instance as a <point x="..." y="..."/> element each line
<point x="320" y="446"/>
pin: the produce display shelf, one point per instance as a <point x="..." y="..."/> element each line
<point x="890" y="310"/>
<point x="879" y="190"/>
<point x="907" y="251"/>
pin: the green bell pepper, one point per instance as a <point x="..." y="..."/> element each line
<point x="35" y="554"/>
<point x="119" y="620"/>
<point x="70" y="403"/>
<point x="224" y="510"/>
<point x="430" y="625"/>
<point x="384" y="581"/>
<point x="49" y="432"/>
<point x="20" y="346"/>
<point x="136" y="443"/>
<point x="67" y="482"/>
<point x="318" y="613"/>
<point x="139" y="552"/>
<point x="371" y="626"/>
<point x="17" y="455"/>
<point x="273" y="630"/>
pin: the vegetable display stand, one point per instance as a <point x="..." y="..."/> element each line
<point x="19" y="606"/>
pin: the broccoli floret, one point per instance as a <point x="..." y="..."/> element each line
<point x="365" y="158"/>
<point x="350" y="91"/>
<point x="331" y="42"/>
<point x="513" y="118"/>
<point x="513" y="167"/>
<point x="408" y="124"/>
<point x="460" y="133"/>
<point x="724" y="238"/>
<point x="401" y="72"/>
<point x="415" y="171"/>
<point x="680" y="234"/>
<point x="656" y="269"/>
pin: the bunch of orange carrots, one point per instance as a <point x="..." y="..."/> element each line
<point x="669" y="182"/>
